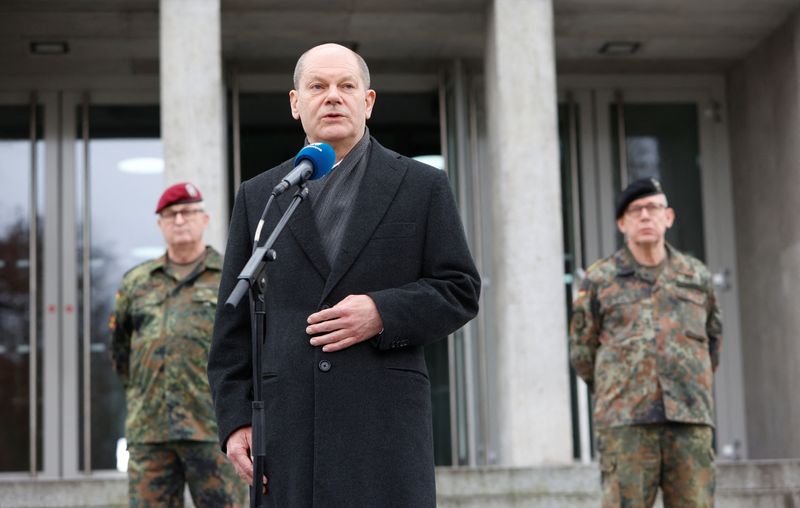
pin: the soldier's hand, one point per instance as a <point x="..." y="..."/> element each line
<point x="353" y="320"/>
<point x="239" y="451"/>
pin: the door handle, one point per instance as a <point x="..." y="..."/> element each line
<point x="722" y="279"/>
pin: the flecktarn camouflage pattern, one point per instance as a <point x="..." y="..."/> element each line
<point x="636" y="459"/>
<point x="647" y="342"/>
<point x="648" y="348"/>
<point x="161" y="333"/>
<point x="157" y="473"/>
<point x="160" y="336"/>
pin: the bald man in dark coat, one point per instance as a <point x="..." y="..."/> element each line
<point x="370" y="269"/>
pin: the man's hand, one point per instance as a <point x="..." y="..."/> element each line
<point x="353" y="320"/>
<point x="239" y="447"/>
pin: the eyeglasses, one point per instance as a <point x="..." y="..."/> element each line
<point x="170" y="215"/>
<point x="652" y="209"/>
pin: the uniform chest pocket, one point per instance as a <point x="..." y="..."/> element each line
<point x="692" y="294"/>
<point x="146" y="310"/>
<point x="204" y="306"/>
<point x="692" y="304"/>
<point x="621" y="314"/>
<point x="612" y="300"/>
<point x="205" y="296"/>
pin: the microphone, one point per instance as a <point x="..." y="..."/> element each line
<point x="312" y="162"/>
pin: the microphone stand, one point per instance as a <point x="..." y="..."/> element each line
<point x="254" y="277"/>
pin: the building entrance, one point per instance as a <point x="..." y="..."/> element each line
<point x="81" y="177"/>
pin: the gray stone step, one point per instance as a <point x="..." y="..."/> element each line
<point x="750" y="484"/>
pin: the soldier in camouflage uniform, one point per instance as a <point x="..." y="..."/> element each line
<point x="645" y="335"/>
<point x="161" y="333"/>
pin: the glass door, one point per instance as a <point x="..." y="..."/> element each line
<point x="21" y="171"/>
<point x="662" y="140"/>
<point x="81" y="175"/>
<point x="118" y="177"/>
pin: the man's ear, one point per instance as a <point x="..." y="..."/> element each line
<point x="293" y="104"/>
<point x="669" y="217"/>
<point x="370" y="100"/>
<point x="621" y="224"/>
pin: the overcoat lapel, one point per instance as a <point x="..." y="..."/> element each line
<point x="304" y="228"/>
<point x="375" y="193"/>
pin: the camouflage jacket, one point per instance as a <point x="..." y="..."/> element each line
<point x="647" y="348"/>
<point x="160" y="336"/>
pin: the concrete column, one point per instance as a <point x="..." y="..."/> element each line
<point x="192" y="105"/>
<point x="764" y="98"/>
<point x="534" y="420"/>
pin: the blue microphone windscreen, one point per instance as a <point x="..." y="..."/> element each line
<point x="321" y="156"/>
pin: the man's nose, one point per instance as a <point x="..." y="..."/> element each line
<point x="333" y="95"/>
<point x="645" y="215"/>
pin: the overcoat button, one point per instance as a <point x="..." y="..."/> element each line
<point x="324" y="365"/>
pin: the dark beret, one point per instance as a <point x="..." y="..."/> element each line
<point x="639" y="189"/>
<point x="183" y="192"/>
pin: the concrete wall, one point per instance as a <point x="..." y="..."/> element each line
<point x="532" y="400"/>
<point x="192" y="105"/>
<point x="764" y="104"/>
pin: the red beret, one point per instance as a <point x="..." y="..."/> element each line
<point x="183" y="192"/>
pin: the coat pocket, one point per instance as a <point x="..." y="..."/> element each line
<point x="410" y="372"/>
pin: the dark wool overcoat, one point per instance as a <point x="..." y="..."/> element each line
<point x="351" y="428"/>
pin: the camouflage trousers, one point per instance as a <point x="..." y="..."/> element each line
<point x="157" y="474"/>
<point x="635" y="460"/>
